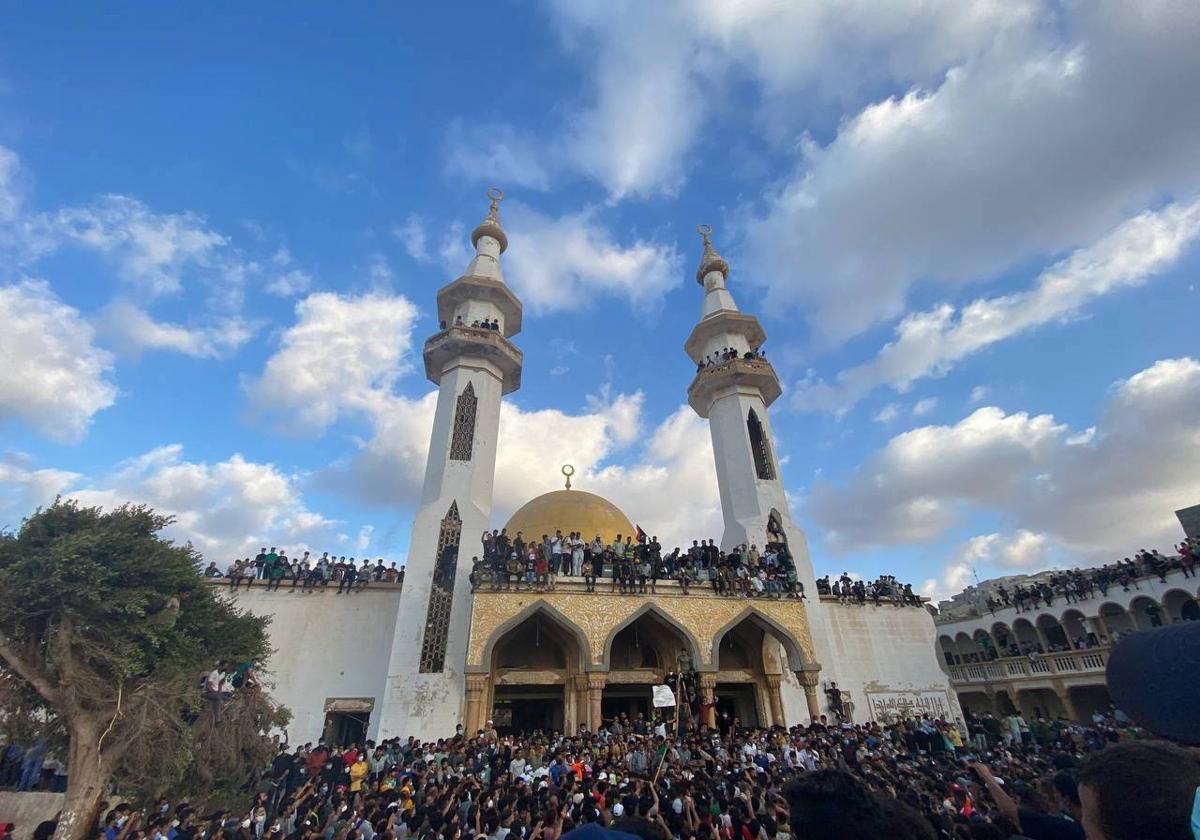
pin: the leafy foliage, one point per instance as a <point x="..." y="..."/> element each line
<point x="106" y="627"/>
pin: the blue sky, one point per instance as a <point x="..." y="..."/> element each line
<point x="968" y="228"/>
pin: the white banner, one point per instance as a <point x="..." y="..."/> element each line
<point x="663" y="696"/>
<point x="909" y="704"/>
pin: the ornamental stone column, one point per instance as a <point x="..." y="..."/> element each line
<point x="707" y="684"/>
<point x="475" y="687"/>
<point x="810" y="679"/>
<point x="775" y="699"/>
<point x="596" y="683"/>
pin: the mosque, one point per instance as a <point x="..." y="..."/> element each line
<point x="420" y="658"/>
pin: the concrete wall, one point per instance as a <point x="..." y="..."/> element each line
<point x="27" y="810"/>
<point x="882" y="652"/>
<point x="326" y="646"/>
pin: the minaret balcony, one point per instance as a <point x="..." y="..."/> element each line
<point x="723" y="323"/>
<point x="472" y="287"/>
<point x="740" y="374"/>
<point x="464" y="343"/>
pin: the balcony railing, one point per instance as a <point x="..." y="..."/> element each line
<point x="1022" y="667"/>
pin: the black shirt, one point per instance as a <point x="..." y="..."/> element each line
<point x="1037" y="826"/>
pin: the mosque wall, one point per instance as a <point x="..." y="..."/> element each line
<point x="326" y="647"/>
<point x="884" y="656"/>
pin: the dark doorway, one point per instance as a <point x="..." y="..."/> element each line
<point x="345" y="728"/>
<point x="521" y="708"/>
<point x="736" y="700"/>
<point x="631" y="700"/>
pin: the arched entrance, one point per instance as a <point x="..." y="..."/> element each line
<point x="639" y="655"/>
<point x="752" y="656"/>
<point x="534" y="673"/>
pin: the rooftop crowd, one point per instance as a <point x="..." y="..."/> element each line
<point x="630" y="564"/>
<point x="633" y="564"/>
<point x="1082" y="584"/>
<point x="660" y="778"/>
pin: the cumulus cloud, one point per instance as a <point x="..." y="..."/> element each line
<point x="132" y="329"/>
<point x="495" y="153"/>
<point x="1035" y="146"/>
<point x="563" y="263"/>
<point x="54" y="378"/>
<point x="413" y="237"/>
<point x="227" y="509"/>
<point x="667" y="484"/>
<point x="659" y="72"/>
<point x="1091" y="496"/>
<point x="284" y="277"/>
<point x="24" y="486"/>
<point x="151" y="250"/>
<point x="341" y="356"/>
<point x="931" y="342"/>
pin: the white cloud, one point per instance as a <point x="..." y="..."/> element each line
<point x="53" y="377"/>
<point x="887" y="414"/>
<point x="24" y="487"/>
<point x="1091" y="496"/>
<point x="661" y="72"/>
<point x="286" y="278"/>
<point x="932" y="342"/>
<point x="925" y="406"/>
<point x="227" y="509"/>
<point x="496" y="154"/>
<point x="563" y="263"/>
<point x="1048" y="137"/>
<point x="978" y="393"/>
<point x="910" y="490"/>
<point x="1024" y="551"/>
<point x="341" y="356"/>
<point x="133" y="330"/>
<point x="413" y="237"/>
<point x="668" y="485"/>
<point x="152" y="250"/>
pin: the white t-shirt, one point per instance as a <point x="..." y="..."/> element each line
<point x="215" y="676"/>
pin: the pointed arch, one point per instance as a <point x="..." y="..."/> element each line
<point x="795" y="653"/>
<point x="462" y="441"/>
<point x="651" y="609"/>
<point x="537" y="608"/>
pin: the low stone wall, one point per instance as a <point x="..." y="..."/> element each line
<point x="27" y="810"/>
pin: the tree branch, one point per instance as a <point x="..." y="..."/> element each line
<point x="49" y="692"/>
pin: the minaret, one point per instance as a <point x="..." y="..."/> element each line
<point x="473" y="366"/>
<point x="734" y="394"/>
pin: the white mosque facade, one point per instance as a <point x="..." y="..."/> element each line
<point x="421" y="658"/>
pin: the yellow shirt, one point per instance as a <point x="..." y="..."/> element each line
<point x="955" y="738"/>
<point x="358" y="772"/>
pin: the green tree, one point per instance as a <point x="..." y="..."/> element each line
<point x="111" y="628"/>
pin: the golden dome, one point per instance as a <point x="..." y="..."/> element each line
<point x="567" y="511"/>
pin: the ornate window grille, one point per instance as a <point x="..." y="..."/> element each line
<point x="760" y="447"/>
<point x="463" y="439"/>
<point x="441" y="594"/>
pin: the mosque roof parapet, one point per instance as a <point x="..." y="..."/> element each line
<point x="713" y="380"/>
<point x="464" y="343"/>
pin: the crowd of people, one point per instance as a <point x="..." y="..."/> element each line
<point x="276" y="568"/>
<point x="630" y="564"/>
<point x="649" y="777"/>
<point x="633" y="564"/>
<point x="885" y="587"/>
<point x="728" y="354"/>
<point x="1081" y="584"/>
